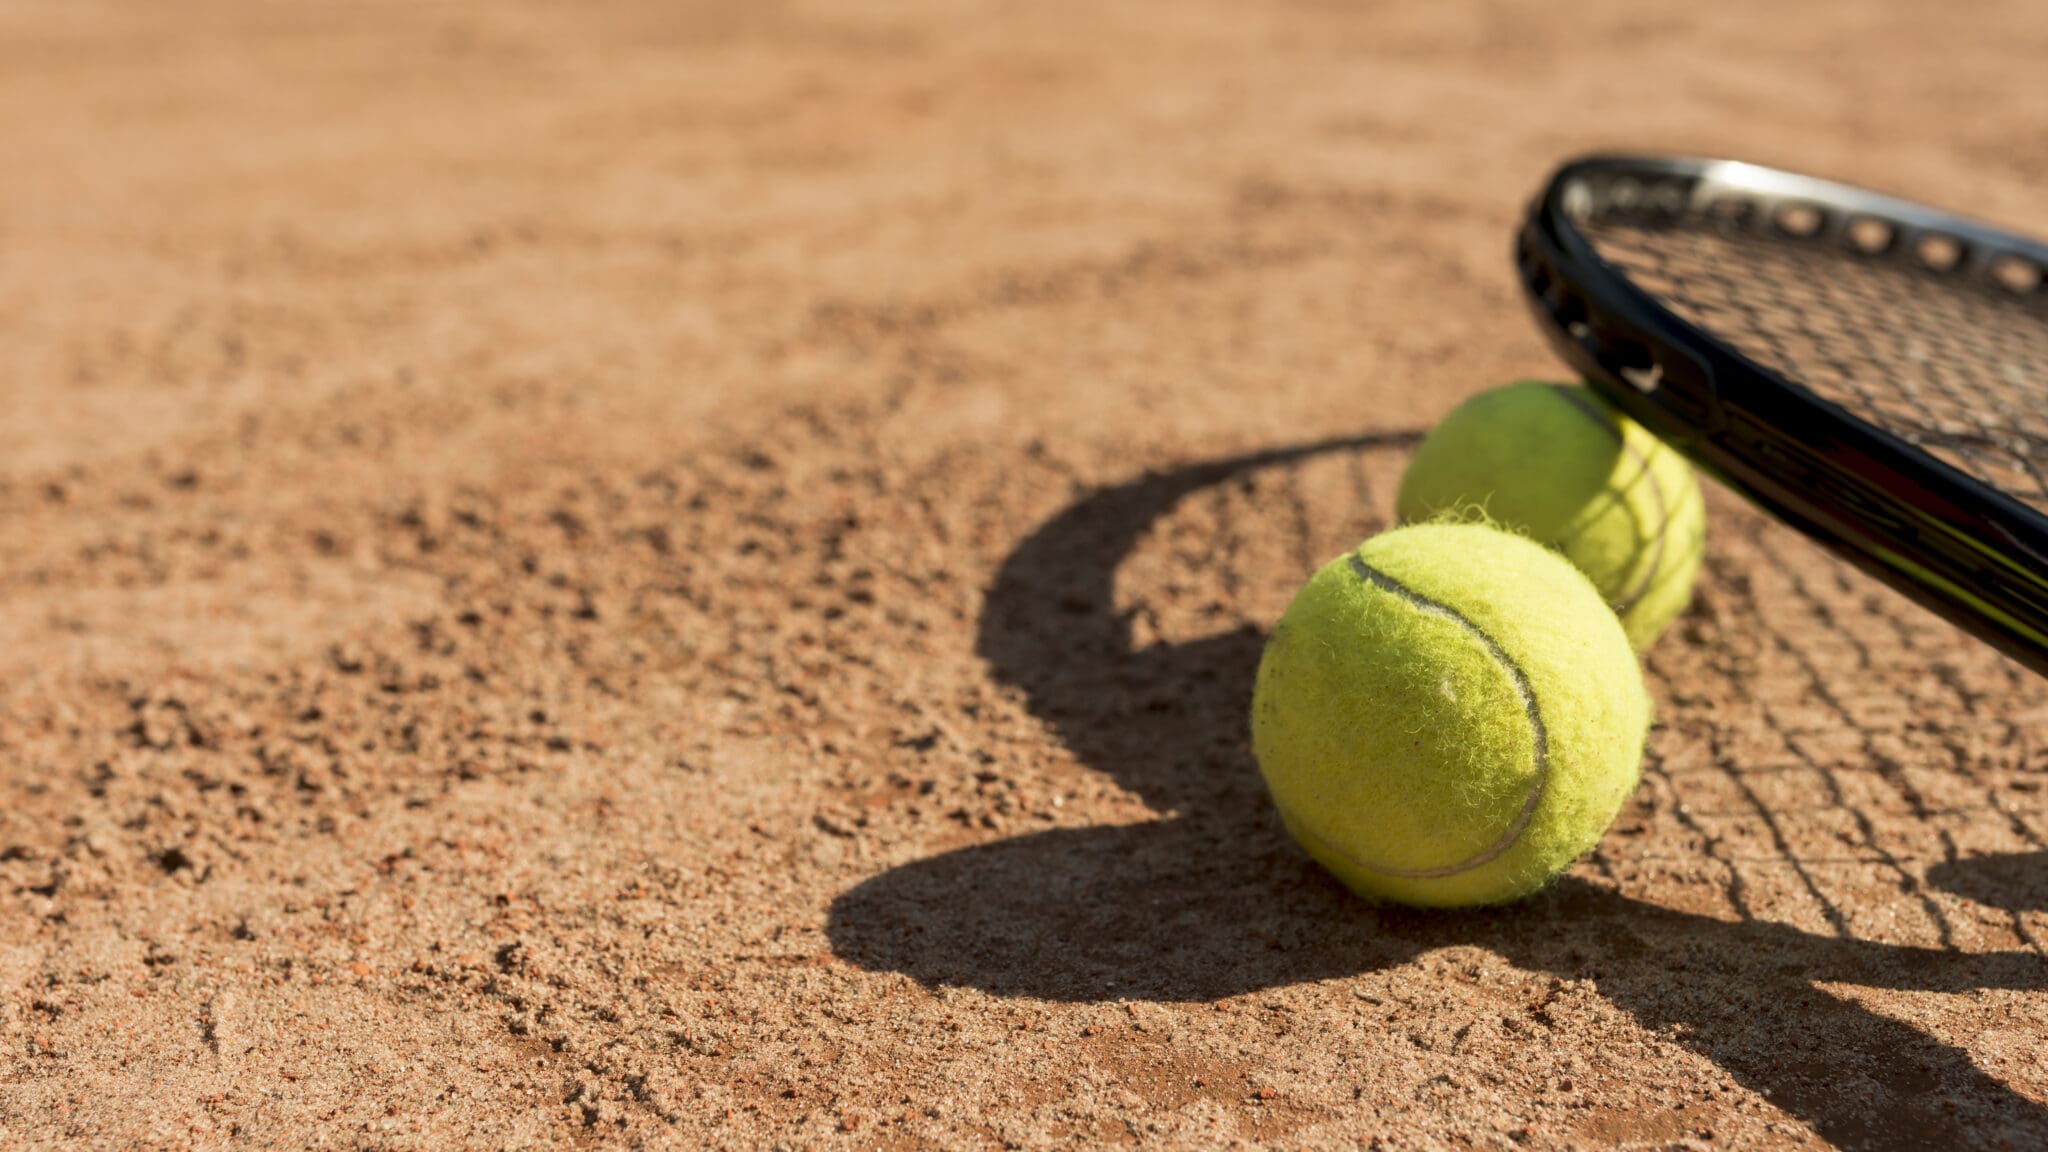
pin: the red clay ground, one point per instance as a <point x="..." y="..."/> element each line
<point x="687" y="575"/>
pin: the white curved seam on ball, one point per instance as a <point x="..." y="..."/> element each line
<point x="1523" y="689"/>
<point x="1648" y="579"/>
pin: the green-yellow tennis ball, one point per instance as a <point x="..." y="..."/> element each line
<point x="1449" y="715"/>
<point x="1563" y="466"/>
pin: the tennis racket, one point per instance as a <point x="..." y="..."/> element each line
<point x="1869" y="370"/>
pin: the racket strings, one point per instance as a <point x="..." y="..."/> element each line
<point x="1961" y="373"/>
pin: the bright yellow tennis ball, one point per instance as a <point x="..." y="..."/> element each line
<point x="1559" y="464"/>
<point x="1449" y="716"/>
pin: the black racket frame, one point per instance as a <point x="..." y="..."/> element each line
<point x="1944" y="538"/>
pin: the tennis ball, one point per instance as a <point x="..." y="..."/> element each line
<point x="1561" y="465"/>
<point x="1449" y="715"/>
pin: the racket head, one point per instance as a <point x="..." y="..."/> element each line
<point x="1870" y="370"/>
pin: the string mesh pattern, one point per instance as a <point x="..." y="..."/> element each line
<point x="1955" y="365"/>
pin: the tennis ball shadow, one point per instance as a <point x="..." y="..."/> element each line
<point x="1169" y="910"/>
<point x="2014" y="881"/>
<point x="1208" y="903"/>
<point x="1213" y="900"/>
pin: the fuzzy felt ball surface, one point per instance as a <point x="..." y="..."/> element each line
<point x="1561" y="465"/>
<point x="1450" y="715"/>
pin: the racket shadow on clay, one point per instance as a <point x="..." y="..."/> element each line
<point x="1213" y="900"/>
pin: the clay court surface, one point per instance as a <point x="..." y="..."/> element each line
<point x="688" y="575"/>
